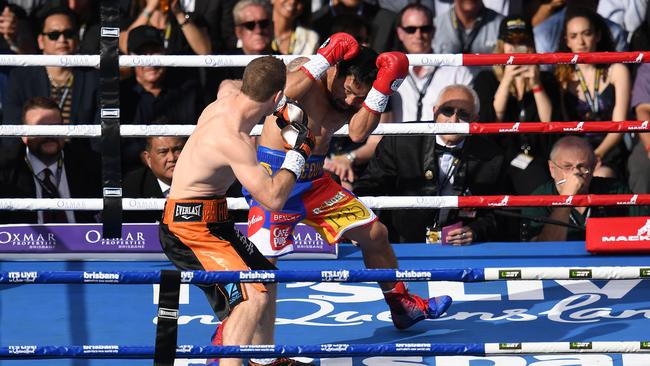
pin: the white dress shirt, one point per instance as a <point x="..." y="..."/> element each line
<point x="60" y="181"/>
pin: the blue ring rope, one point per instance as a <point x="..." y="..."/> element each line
<point x="202" y="277"/>
<point x="261" y="351"/>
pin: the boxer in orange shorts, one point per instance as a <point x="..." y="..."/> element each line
<point x="195" y="232"/>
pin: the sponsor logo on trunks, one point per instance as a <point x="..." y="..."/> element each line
<point x="336" y="347"/>
<point x="579" y="273"/>
<point x="101" y="277"/>
<point x="580" y="345"/>
<point x="284" y="218"/>
<point x="257" y="276"/>
<point x="255" y="219"/>
<point x="100" y="348"/>
<point x="335" y="276"/>
<point x="509" y="274"/>
<point x="168" y="313"/>
<point x="410" y="274"/>
<point x="188" y="212"/>
<point x="509" y="346"/>
<point x="22" y="276"/>
<point x="233" y="293"/>
<point x="280" y="236"/>
<point x="340" y="195"/>
<point x="645" y="345"/>
<point x="22" y="350"/>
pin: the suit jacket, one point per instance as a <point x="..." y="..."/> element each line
<point x="27" y="82"/>
<point x="141" y="183"/>
<point x="408" y="166"/>
<point x="82" y="169"/>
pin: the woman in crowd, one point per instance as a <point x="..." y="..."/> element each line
<point x="290" y="28"/>
<point x="594" y="92"/>
<point x="519" y="93"/>
<point x="181" y="34"/>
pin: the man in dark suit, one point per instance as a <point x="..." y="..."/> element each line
<point x="154" y="180"/>
<point x="73" y="89"/>
<point x="46" y="167"/>
<point x="441" y="165"/>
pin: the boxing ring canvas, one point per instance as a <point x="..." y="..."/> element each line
<point x="317" y="313"/>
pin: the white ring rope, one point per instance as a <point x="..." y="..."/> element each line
<point x="239" y="203"/>
<point x="421" y="128"/>
<point x="430" y="59"/>
<point x="186" y="130"/>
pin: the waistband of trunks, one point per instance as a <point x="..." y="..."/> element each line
<point x="213" y="210"/>
<point x="274" y="158"/>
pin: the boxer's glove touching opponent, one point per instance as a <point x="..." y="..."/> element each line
<point x="338" y="47"/>
<point x="393" y="68"/>
<point x="298" y="139"/>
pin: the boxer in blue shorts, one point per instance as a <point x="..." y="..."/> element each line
<point x="343" y="83"/>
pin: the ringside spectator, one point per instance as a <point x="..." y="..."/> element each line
<point x="440" y="165"/>
<point x="572" y="163"/>
<point x="47" y="167"/>
<point x="589" y="92"/>
<point x="638" y="163"/>
<point x="519" y="93"/>
<point x="292" y="34"/>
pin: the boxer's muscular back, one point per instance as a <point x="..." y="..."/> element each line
<point x="203" y="168"/>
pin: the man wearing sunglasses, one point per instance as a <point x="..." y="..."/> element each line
<point x="73" y="89"/>
<point x="414" y="101"/>
<point x="572" y="163"/>
<point x="442" y="165"/>
<point x="254" y="32"/>
<point x="343" y="83"/>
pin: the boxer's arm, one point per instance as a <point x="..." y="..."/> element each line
<point x="271" y="191"/>
<point x="392" y="69"/>
<point x="338" y="47"/>
<point x="362" y="124"/>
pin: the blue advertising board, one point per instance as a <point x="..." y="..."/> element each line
<point x="316" y="313"/>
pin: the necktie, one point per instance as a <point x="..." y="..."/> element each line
<point x="51" y="191"/>
<point x="166" y="193"/>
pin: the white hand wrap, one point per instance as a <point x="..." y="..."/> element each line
<point x="376" y="101"/>
<point x="293" y="162"/>
<point x="316" y="66"/>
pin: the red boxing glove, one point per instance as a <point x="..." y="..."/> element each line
<point x="339" y="47"/>
<point x="393" y="68"/>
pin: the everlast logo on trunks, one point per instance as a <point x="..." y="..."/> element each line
<point x="188" y="212"/>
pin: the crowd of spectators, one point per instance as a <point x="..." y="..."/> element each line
<point x="519" y="164"/>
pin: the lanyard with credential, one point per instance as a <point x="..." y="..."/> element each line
<point x="57" y="177"/>
<point x="593" y="102"/>
<point x="422" y="91"/>
<point x="466" y="47"/>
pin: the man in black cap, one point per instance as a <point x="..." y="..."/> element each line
<point x="155" y="95"/>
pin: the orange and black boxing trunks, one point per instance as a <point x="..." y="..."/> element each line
<point x="197" y="234"/>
